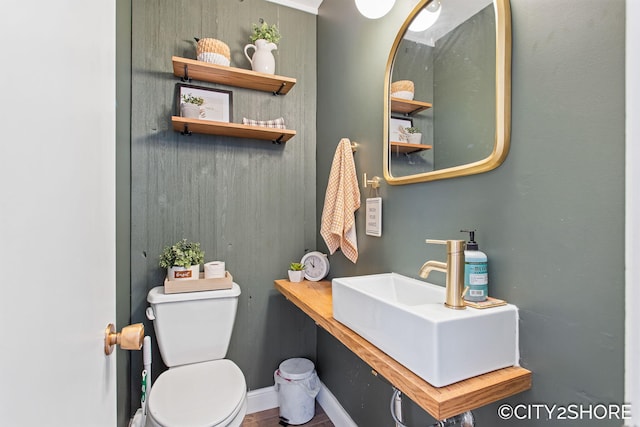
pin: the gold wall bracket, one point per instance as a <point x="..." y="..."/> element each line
<point x="373" y="182"/>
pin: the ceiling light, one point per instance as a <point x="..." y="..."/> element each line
<point x="374" y="9"/>
<point x="427" y="17"/>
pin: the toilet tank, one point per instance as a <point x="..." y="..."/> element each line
<point x="193" y="327"/>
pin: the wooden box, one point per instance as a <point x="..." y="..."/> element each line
<point x="201" y="284"/>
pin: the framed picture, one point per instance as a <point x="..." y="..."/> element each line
<point x="204" y="103"/>
<point x="395" y="124"/>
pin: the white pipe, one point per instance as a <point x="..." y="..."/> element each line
<point x="393" y="406"/>
<point x="397" y="403"/>
<point x="465" y="419"/>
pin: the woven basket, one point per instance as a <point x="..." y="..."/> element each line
<point x="402" y="85"/>
<point x="213" y="51"/>
<point x="402" y="89"/>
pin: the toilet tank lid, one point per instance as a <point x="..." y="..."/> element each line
<point x="157" y="295"/>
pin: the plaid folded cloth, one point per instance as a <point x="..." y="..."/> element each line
<point x="275" y="123"/>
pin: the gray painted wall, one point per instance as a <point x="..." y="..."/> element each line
<point x="464" y="92"/>
<point x="551" y="218"/>
<point x="249" y="203"/>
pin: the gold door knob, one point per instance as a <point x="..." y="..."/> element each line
<point x="130" y="338"/>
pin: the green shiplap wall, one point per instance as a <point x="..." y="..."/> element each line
<point x="551" y="218"/>
<point x="250" y="203"/>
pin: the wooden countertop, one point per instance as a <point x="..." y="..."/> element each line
<point x="315" y="299"/>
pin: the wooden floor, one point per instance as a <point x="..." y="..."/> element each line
<point x="271" y="418"/>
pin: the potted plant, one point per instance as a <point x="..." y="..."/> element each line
<point x="264" y="31"/>
<point x="190" y="106"/>
<point x="414" y="136"/>
<point x="182" y="260"/>
<point x="264" y="39"/>
<point x="296" y="272"/>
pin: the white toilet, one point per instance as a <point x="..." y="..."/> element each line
<point x="201" y="388"/>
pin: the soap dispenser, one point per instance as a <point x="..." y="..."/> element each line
<point x="476" y="275"/>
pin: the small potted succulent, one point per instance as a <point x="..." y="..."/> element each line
<point x="414" y="136"/>
<point x="190" y="106"/>
<point x="296" y="272"/>
<point x="182" y="260"/>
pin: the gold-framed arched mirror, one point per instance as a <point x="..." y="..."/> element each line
<point x="452" y="84"/>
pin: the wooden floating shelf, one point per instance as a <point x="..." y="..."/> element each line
<point x="182" y="124"/>
<point x="231" y="76"/>
<point x="408" y="107"/>
<point x="405" y="147"/>
<point x="316" y="300"/>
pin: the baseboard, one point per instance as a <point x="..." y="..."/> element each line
<point x="333" y="408"/>
<point x="267" y="398"/>
<point x="262" y="399"/>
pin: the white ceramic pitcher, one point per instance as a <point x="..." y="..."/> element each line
<point x="263" y="60"/>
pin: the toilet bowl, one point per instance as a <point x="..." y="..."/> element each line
<point x="201" y="388"/>
<point x="204" y="394"/>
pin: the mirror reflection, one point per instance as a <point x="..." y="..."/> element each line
<point x="445" y="94"/>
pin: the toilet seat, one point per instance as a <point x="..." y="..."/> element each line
<point x="204" y="394"/>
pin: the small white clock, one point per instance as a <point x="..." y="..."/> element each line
<point x="316" y="266"/>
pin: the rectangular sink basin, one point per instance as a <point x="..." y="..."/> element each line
<point x="406" y="318"/>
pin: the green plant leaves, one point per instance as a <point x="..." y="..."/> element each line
<point x="296" y="266"/>
<point x="182" y="254"/>
<point x="266" y="32"/>
<point x="190" y="99"/>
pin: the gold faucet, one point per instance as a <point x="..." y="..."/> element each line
<point x="453" y="268"/>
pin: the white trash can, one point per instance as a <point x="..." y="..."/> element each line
<point x="297" y="385"/>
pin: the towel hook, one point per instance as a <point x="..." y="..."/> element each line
<point x="373" y="182"/>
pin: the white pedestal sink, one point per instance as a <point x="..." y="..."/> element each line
<point x="406" y="318"/>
